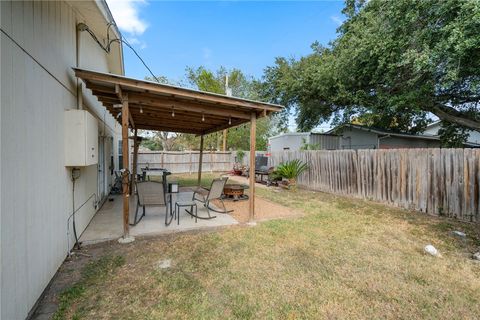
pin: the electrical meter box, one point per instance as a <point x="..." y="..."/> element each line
<point x="81" y="138"/>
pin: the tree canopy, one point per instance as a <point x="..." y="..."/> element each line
<point x="242" y="86"/>
<point x="393" y="64"/>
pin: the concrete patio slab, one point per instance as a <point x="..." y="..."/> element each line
<point x="107" y="222"/>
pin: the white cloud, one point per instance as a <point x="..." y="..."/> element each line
<point x="337" y="20"/>
<point x="126" y="15"/>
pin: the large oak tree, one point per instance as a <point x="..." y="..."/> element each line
<point x="393" y="63"/>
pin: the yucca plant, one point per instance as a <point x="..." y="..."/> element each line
<point x="290" y="170"/>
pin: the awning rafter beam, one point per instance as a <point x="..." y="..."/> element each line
<point x="182" y="106"/>
<point x="149" y="87"/>
<point x="151" y="105"/>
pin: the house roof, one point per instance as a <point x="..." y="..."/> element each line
<point x="302" y="134"/>
<point x="161" y="107"/>
<point x="395" y="134"/>
<point x="384" y="132"/>
<point x="287" y="134"/>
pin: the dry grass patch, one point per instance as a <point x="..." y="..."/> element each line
<point x="344" y="259"/>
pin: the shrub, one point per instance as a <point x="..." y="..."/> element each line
<point x="291" y="170"/>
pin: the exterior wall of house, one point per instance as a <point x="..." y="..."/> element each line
<point x="38" y="50"/>
<point x="399" y="142"/>
<point x="473" y="137"/>
<point x="325" y="141"/>
<point x="353" y="138"/>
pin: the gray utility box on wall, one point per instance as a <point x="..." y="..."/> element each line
<point x="81" y="138"/>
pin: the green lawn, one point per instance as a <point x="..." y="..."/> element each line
<point x="346" y="259"/>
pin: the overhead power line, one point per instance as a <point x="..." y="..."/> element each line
<point x="106" y="48"/>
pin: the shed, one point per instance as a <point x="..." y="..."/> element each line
<point x="295" y="141"/>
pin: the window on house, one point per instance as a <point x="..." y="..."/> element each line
<point x="120" y="155"/>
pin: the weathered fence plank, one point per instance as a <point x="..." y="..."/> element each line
<point x="436" y="181"/>
<point x="186" y="162"/>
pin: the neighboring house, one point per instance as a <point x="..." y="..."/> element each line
<point x="297" y="140"/>
<point x="433" y="128"/>
<point x="40" y="44"/>
<point x="362" y="137"/>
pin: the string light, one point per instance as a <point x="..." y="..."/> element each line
<point x="203" y="117"/>
<point x="229" y="120"/>
<point x="173" y="112"/>
<point x="141" y="109"/>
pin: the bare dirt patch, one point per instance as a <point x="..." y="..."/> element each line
<point x="264" y="210"/>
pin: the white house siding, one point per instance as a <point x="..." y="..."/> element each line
<point x="36" y="196"/>
<point x="473" y="136"/>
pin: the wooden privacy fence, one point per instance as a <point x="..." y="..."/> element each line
<point x="186" y="161"/>
<point x="436" y="181"/>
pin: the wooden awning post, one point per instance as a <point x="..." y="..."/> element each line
<point x="251" y="199"/>
<point x="225" y="139"/>
<point x="134" y="162"/>
<point x="125" y="176"/>
<point x="200" y="160"/>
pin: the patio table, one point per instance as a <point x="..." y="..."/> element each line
<point x="173" y="199"/>
<point x="156" y="172"/>
<point x="186" y="204"/>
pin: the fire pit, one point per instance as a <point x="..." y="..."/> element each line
<point x="235" y="192"/>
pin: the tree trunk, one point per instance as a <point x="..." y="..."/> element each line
<point x="167" y="139"/>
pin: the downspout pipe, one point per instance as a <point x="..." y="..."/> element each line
<point x="77" y="64"/>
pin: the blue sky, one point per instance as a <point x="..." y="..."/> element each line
<point x="235" y="34"/>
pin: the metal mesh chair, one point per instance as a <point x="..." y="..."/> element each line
<point x="149" y="194"/>
<point x="214" y="193"/>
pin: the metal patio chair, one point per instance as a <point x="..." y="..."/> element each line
<point x="214" y="193"/>
<point x="150" y="194"/>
